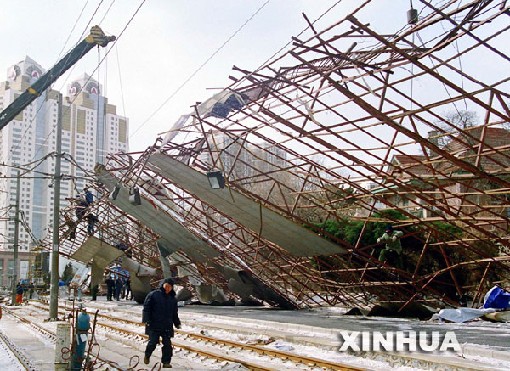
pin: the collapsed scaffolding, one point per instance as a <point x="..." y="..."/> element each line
<point x="334" y="130"/>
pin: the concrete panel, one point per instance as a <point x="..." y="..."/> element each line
<point x="297" y="240"/>
<point x="175" y="236"/>
<point x="103" y="254"/>
<point x="93" y="248"/>
<point x="140" y="278"/>
<point x="97" y="274"/>
<point x="210" y="293"/>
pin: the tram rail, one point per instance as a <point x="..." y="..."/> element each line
<point x="234" y="345"/>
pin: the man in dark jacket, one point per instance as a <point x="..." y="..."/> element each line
<point x="118" y="286"/>
<point x="19" y="294"/>
<point x="110" y="285"/>
<point x="160" y="314"/>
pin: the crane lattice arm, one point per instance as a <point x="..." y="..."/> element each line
<point x="96" y="37"/>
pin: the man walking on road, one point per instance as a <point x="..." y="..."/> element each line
<point x="160" y="314"/>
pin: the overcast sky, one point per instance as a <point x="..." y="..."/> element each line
<point x="164" y="44"/>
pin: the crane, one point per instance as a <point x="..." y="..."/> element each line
<point x="96" y="37"/>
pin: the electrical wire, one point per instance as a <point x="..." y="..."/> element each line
<point x="323" y="14"/>
<point x="72" y="30"/>
<point x="24" y="223"/>
<point x="102" y="60"/>
<point x="97" y="67"/>
<point x="85" y="30"/>
<point x="188" y="79"/>
<point x="456" y="46"/>
<point x="297" y="36"/>
<point x="106" y="13"/>
<point x="264" y="63"/>
<point x="120" y="82"/>
<point x="87" y="27"/>
<point x="58" y="59"/>
<point x="103" y="118"/>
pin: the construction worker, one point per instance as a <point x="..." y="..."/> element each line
<point x="89" y="197"/>
<point x="391" y="238"/>
<point x="91" y="222"/>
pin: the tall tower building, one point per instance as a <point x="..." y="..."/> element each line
<point x="91" y="129"/>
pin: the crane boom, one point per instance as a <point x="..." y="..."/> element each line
<point x="96" y="37"/>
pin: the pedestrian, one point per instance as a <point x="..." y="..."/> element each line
<point x="31" y="289"/>
<point x="19" y="294"/>
<point x="71" y="225"/>
<point x="121" y="246"/>
<point x="160" y="315"/>
<point x="129" y="294"/>
<point x="391" y="238"/>
<point x="110" y="286"/>
<point x="94" y="291"/>
<point x="81" y="208"/>
<point x="118" y="287"/>
<point x="125" y="278"/>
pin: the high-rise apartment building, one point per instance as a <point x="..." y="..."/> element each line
<point x="91" y="129"/>
<point x="253" y="164"/>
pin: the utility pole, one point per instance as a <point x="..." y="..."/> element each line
<point x="56" y="212"/>
<point x="16" y="239"/>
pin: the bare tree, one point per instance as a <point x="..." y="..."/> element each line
<point x="455" y="122"/>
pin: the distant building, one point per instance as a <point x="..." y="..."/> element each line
<point x="425" y="186"/>
<point x="404" y="177"/>
<point x="487" y="148"/>
<point x="91" y="130"/>
<point x="246" y="162"/>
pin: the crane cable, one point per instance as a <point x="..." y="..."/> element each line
<point x="59" y="57"/>
<point x="101" y="61"/>
<point x="107" y="53"/>
<point x="14" y="147"/>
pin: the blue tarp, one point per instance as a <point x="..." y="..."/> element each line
<point x="497" y="298"/>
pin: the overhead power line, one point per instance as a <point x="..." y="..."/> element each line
<point x="106" y="54"/>
<point x="188" y="79"/>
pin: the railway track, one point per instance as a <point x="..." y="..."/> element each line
<point x="185" y="341"/>
<point x="48" y="335"/>
<point x="19" y="355"/>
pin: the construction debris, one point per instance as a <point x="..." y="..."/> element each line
<point x="321" y="147"/>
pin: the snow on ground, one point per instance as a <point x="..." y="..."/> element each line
<point x="195" y="322"/>
<point x="8" y="360"/>
<point x="250" y="331"/>
<point x="210" y="321"/>
<point x="27" y="342"/>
